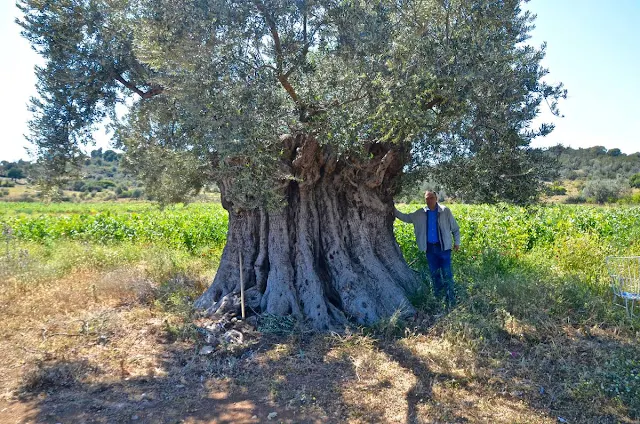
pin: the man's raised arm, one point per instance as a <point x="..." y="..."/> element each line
<point x="405" y="217"/>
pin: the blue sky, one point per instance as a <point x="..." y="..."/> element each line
<point x="593" y="48"/>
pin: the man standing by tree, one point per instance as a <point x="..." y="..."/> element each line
<point x="434" y="227"/>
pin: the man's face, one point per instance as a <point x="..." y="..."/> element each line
<point x="431" y="200"/>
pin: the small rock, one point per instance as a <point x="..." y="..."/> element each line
<point x="233" y="336"/>
<point x="252" y="321"/>
<point x="206" y="350"/>
<point x="135" y="418"/>
<point x="562" y="420"/>
<point x="272" y="415"/>
<point x="212" y="340"/>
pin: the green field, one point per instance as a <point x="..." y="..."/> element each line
<point x="571" y="241"/>
<point x="193" y="227"/>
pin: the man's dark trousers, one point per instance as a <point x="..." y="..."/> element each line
<point x="441" y="274"/>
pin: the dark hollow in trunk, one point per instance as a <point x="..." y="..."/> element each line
<point x="330" y="256"/>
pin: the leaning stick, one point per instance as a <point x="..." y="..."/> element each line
<point x="241" y="286"/>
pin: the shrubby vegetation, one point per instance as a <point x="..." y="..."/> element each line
<point x="603" y="191"/>
<point x="15" y="170"/>
<point x="100" y="176"/>
<point x="555" y="189"/>
<point x="594" y="163"/>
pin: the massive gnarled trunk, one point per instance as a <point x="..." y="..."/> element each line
<point x="329" y="256"/>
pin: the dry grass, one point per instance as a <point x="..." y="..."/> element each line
<point x="120" y="344"/>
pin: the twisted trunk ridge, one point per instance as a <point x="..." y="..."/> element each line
<point x="330" y="256"/>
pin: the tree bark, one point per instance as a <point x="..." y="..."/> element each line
<point x="330" y="256"/>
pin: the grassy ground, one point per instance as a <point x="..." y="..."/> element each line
<point x="103" y="332"/>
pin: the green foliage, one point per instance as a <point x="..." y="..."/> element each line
<point x="15" y="170"/>
<point x="110" y="156"/>
<point x="614" y="152"/>
<point x="280" y="325"/>
<point x="602" y="191"/>
<point x="555" y="189"/>
<point x="596" y="163"/>
<point x="216" y="84"/>
<point x="633" y="198"/>
<point x="634" y="180"/>
<point x="389" y="328"/>
<point x="572" y="200"/>
<point x="197" y="228"/>
<point x="15" y="173"/>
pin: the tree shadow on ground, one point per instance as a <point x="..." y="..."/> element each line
<point x="261" y="383"/>
<point x="421" y="392"/>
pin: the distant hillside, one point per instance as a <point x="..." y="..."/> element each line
<point x="594" y="174"/>
<point x="595" y="163"/>
<point x="101" y="177"/>
<point x="102" y="171"/>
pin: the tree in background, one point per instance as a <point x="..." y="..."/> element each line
<point x="614" y="152"/>
<point x="306" y="114"/>
<point x="110" y="156"/>
<point x="603" y="191"/>
<point x="634" y="180"/>
<point x="15" y="173"/>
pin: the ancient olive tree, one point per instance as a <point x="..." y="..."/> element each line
<point x="306" y="114"/>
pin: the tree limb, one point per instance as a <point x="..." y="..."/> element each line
<point x="274" y="34"/>
<point x="287" y="86"/>
<point x="282" y="78"/>
<point x="144" y="94"/>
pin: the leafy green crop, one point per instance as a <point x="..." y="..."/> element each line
<point x="193" y="227"/>
<point x="517" y="230"/>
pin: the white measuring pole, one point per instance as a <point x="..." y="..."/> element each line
<point x="241" y="286"/>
